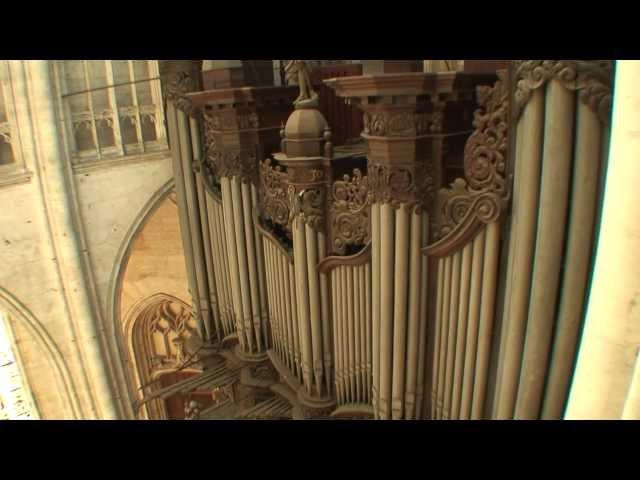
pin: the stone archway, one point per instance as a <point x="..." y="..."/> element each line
<point x="32" y="334"/>
<point x="162" y="349"/>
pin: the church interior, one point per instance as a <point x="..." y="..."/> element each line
<point x="319" y="240"/>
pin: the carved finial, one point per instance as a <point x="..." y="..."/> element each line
<point x="298" y="69"/>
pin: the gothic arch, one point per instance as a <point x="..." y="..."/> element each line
<point x="17" y="311"/>
<point x="141" y="353"/>
<point x="115" y="338"/>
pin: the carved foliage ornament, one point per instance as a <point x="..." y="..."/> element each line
<point x="275" y="202"/>
<point x="350" y="205"/>
<point x="176" y="85"/>
<point x="591" y="78"/>
<point x="398" y="124"/>
<point x="309" y="204"/>
<point x="228" y="162"/>
<point x="484" y="189"/>
<point x="398" y="184"/>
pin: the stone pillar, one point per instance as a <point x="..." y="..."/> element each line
<point x="307" y="155"/>
<point x="66" y="241"/>
<point x="602" y="386"/>
<point x="241" y="126"/>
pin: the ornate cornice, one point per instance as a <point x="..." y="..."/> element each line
<point x="350" y="206"/>
<point x="361" y="258"/>
<point x="591" y="78"/>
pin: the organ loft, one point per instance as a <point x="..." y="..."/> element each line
<point x="325" y="240"/>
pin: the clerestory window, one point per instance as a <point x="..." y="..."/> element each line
<point x="8" y="141"/>
<point x="111" y="108"/>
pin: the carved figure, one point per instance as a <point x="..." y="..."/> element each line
<point x="299" y="69"/>
<point x="192" y="410"/>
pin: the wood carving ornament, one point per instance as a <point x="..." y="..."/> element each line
<point x="298" y="69"/>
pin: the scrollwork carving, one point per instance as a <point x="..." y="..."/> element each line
<point x="398" y="124"/>
<point x="309" y="205"/>
<point x="401" y="184"/>
<point x="483" y="192"/>
<point x="350" y="206"/>
<point x="590" y="78"/>
<point x="485" y="150"/>
<point x="230" y="120"/>
<point x="275" y="202"/>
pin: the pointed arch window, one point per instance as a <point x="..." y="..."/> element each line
<point x="16" y="402"/>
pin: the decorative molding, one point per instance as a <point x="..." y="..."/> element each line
<point x="329" y="263"/>
<point x="590" y="78"/>
<point x="349" y="212"/>
<point x="399" y="124"/>
<point x="14" y="178"/>
<point x="104" y="163"/>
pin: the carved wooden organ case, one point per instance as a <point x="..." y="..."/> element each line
<point x="374" y="279"/>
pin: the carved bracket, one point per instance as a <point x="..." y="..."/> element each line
<point x="482" y="196"/>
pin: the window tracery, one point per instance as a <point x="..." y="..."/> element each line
<point x="8" y="139"/>
<point x="111" y="108"/>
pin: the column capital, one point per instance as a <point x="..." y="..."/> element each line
<point x="411" y="122"/>
<point x="178" y="78"/>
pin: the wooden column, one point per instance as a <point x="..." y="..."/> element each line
<point x="241" y="127"/>
<point x="306" y="154"/>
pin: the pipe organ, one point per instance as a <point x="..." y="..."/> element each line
<point x="418" y="275"/>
